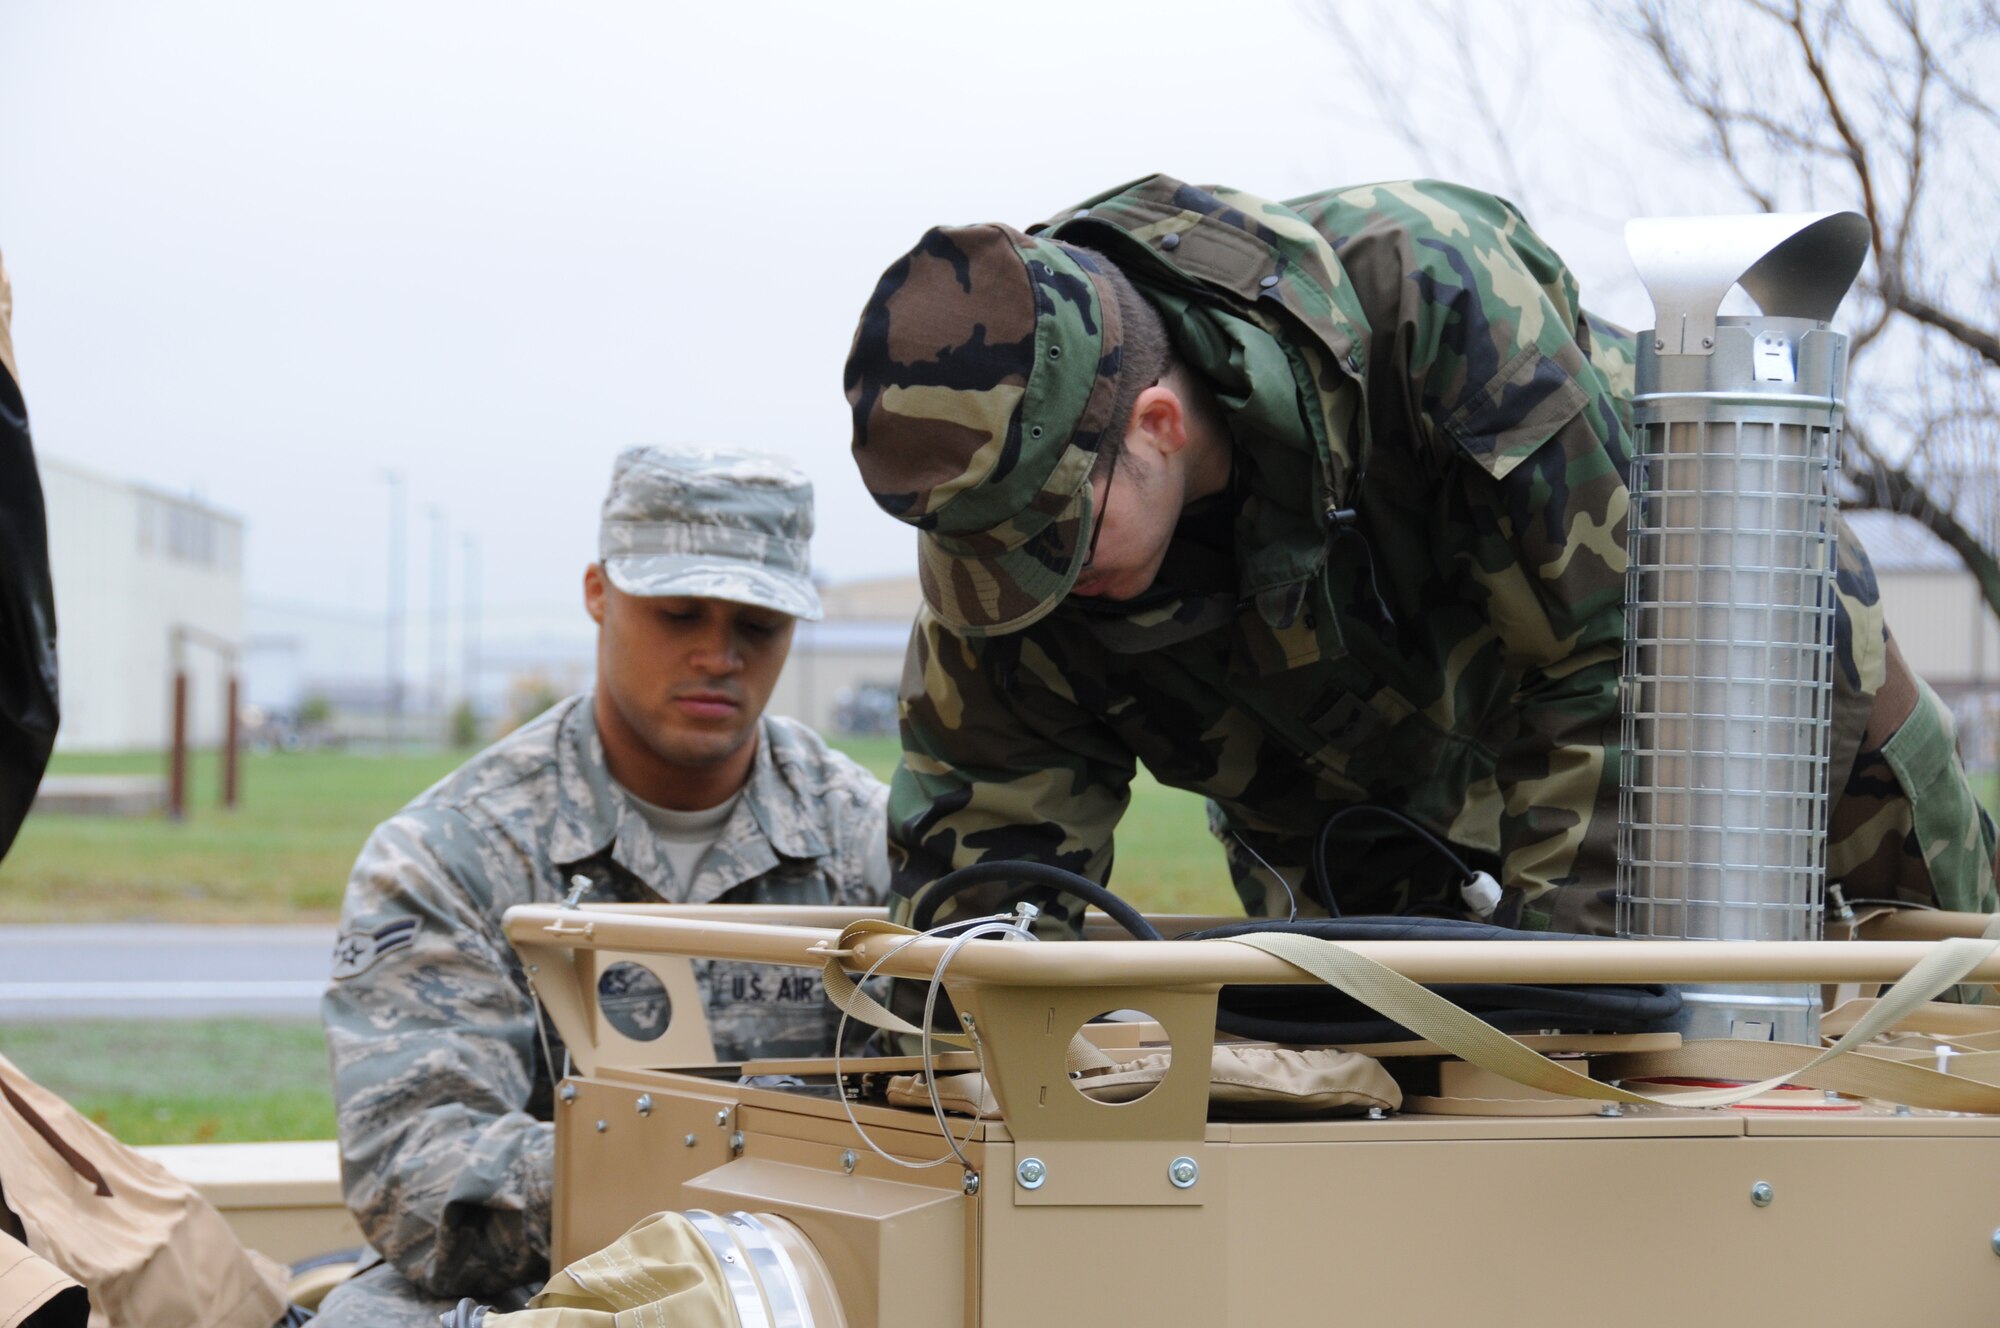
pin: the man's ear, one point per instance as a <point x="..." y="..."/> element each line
<point x="1159" y="420"/>
<point x="593" y="592"/>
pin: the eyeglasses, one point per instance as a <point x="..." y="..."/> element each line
<point x="1097" y="517"/>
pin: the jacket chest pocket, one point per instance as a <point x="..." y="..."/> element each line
<point x="1377" y="740"/>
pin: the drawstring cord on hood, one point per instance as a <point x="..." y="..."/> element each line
<point x="1346" y="525"/>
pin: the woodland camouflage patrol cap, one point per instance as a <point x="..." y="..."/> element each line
<point x="981" y="379"/>
<point x="710" y="525"/>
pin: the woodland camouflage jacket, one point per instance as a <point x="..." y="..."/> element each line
<point x="1411" y="596"/>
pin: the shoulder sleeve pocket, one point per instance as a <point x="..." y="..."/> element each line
<point x="1500" y="424"/>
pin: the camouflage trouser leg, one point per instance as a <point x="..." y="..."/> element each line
<point x="381" y="1298"/>
<point x="1905" y="825"/>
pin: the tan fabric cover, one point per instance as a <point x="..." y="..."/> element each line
<point x="1243" y="1080"/>
<point x="659" y="1272"/>
<point x="29" y="1283"/>
<point x="151" y="1252"/>
<point x="960" y="1094"/>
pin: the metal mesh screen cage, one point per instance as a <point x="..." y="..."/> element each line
<point x="1728" y="684"/>
<point x="1730" y="611"/>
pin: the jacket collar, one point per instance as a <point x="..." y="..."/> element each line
<point x="1267" y="260"/>
<point x="593" y="815"/>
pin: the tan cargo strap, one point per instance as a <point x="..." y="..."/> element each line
<point x="1472" y="1039"/>
<point x="64" y="1149"/>
<point x="848" y="997"/>
<point x="1973" y="1027"/>
<point x="1865" y="1075"/>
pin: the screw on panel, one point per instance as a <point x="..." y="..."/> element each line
<point x="644" y="1104"/>
<point x="1707" y="342"/>
<point x="1031" y="1173"/>
<point x="967" y="1020"/>
<point x="1903" y="1109"/>
<point x="722" y="1117"/>
<point x="687" y="1141"/>
<point x="567" y="1092"/>
<point x="1377" y="1113"/>
<point x="1183" y="1172"/>
<point x="1659" y="344"/>
<point x="602" y="1126"/>
<point x="1761" y="1194"/>
<point x="1611" y="1109"/>
<point x="736" y="1141"/>
<point x="847" y="1161"/>
<point x="971" y="1186"/>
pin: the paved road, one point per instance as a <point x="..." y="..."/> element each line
<point x="161" y="972"/>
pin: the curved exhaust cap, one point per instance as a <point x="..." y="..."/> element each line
<point x="1793" y="264"/>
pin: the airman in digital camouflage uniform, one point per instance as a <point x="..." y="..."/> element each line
<point x="666" y="783"/>
<point x="1302" y="505"/>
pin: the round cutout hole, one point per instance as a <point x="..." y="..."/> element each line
<point x="634" y="1001"/>
<point x="1125" y="1036"/>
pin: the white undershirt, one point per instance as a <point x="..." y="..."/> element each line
<point x="685" y="836"/>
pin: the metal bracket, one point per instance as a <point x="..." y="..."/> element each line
<point x="1793" y="264"/>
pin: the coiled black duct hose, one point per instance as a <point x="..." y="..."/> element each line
<point x="1058" y="880"/>
<point x="1322" y="1015"/>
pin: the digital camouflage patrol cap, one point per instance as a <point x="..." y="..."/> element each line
<point x="710" y="525"/>
<point x="981" y="379"/>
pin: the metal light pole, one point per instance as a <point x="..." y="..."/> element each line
<point x="393" y="626"/>
<point x="440" y="570"/>
<point x="469" y="629"/>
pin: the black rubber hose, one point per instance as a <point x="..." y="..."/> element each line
<point x="1039" y="874"/>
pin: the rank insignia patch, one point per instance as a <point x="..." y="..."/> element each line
<point x="357" y="951"/>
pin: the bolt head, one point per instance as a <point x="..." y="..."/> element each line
<point x="971" y="1183"/>
<point x="644" y="1105"/>
<point x="1762" y="1193"/>
<point x="1659" y="343"/>
<point x="602" y="1126"/>
<point x="567" y="1092"/>
<point x="736" y="1141"/>
<point x="1183" y="1172"/>
<point x="1031" y="1172"/>
<point x="1707" y="342"/>
<point x="847" y="1161"/>
<point x="687" y="1141"/>
<point x="722" y="1117"/>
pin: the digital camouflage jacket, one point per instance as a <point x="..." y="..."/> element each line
<point x="442" y="1092"/>
<point x="1412" y="595"/>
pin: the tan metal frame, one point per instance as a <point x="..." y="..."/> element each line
<point x="1503" y="1218"/>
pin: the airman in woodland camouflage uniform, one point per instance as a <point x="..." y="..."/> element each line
<point x="1301" y="505"/>
<point x="442" y="1068"/>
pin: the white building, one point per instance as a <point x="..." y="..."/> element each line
<point x="135" y="568"/>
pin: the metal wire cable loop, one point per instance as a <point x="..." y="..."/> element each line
<point x="1005" y="925"/>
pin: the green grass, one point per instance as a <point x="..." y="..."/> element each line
<point x="283" y="855"/>
<point x="209" y="1081"/>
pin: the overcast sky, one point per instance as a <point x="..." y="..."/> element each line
<point x="265" y="253"/>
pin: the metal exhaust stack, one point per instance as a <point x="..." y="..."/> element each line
<point x="1728" y="682"/>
